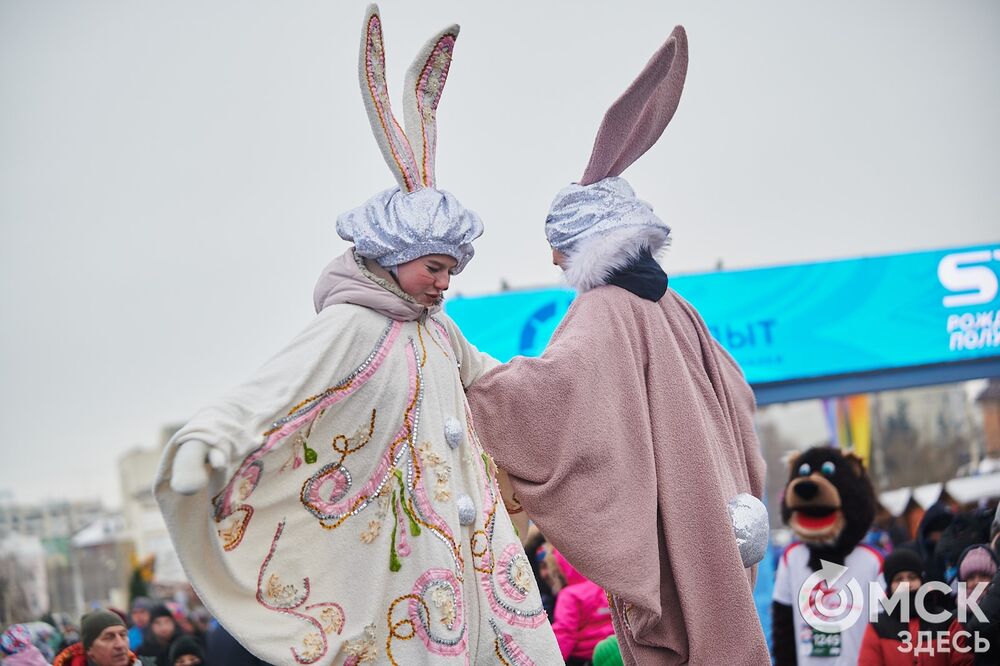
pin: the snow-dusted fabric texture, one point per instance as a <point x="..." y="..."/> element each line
<point x="601" y="228"/>
<point x="395" y="227"/>
<point x="624" y="442"/>
<point x="334" y="535"/>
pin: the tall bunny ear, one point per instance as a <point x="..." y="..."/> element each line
<point x="391" y="139"/>
<point x="637" y="119"/>
<point x="424" y="84"/>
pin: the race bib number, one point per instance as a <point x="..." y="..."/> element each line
<point x="825" y="645"/>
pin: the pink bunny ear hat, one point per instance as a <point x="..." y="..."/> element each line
<point x="599" y="223"/>
<point x="414" y="218"/>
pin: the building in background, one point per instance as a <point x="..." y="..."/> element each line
<point x="143" y="521"/>
<point x="103" y="554"/>
<point x="989" y="401"/>
<point x="41" y="563"/>
<point x="24" y="593"/>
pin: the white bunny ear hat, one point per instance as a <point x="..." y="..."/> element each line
<point x="414" y="218"/>
<point x="599" y="223"/>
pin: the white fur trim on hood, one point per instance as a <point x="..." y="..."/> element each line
<point x="593" y="260"/>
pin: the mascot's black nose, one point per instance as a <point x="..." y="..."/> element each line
<point x="806" y="489"/>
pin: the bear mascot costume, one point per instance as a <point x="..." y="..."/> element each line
<point x="829" y="503"/>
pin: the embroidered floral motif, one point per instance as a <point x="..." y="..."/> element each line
<point x="443" y="589"/>
<point x="312" y="647"/>
<point x="520" y="574"/>
<point x="283" y="595"/>
<point x="444" y="601"/>
<point x="442" y="471"/>
<point x="288" y="599"/>
<point x="375" y="524"/>
<point x="333" y="619"/>
<point x="363" y="650"/>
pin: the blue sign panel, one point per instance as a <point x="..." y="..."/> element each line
<point x="801" y="321"/>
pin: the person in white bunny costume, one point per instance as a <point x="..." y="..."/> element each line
<point x="338" y="505"/>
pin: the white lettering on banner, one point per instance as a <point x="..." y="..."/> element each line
<point x="941" y="588"/>
<point x="974" y="330"/>
<point x="901" y="598"/>
<point x="966" y="638"/>
<point x="960" y="272"/>
<point x="936" y="642"/>
<point x="967" y="602"/>
<point x="925" y="643"/>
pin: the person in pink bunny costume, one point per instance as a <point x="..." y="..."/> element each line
<point x="630" y="441"/>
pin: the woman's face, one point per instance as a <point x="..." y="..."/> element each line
<point x="427" y="278"/>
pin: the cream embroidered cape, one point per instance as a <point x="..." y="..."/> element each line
<point x="359" y="521"/>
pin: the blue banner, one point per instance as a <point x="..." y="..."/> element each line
<point x="799" y="321"/>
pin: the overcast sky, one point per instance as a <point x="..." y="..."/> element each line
<point x="170" y="173"/>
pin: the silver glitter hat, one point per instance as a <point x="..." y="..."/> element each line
<point x="580" y="212"/>
<point x="415" y="218"/>
<point x="599" y="223"/>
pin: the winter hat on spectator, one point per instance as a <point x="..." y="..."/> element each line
<point x="977" y="560"/>
<point x="96" y="621"/>
<point x="899" y="560"/>
<point x="143" y="603"/>
<point x="183" y="646"/>
<point x="161" y="610"/>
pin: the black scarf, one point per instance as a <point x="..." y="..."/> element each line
<point x="642" y="276"/>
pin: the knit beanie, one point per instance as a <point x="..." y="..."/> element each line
<point x="160" y="610"/>
<point x="96" y="621"/>
<point x="977" y="561"/>
<point x="902" y="559"/>
<point x="142" y="603"/>
<point x="607" y="653"/>
<point x="183" y="646"/>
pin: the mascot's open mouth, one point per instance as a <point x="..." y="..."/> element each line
<point x="816" y="518"/>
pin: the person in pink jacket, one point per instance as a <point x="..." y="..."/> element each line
<point x="582" y="616"/>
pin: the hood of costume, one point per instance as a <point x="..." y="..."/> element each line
<point x="630" y="441"/>
<point x="350" y="279"/>
<point x="358" y="519"/>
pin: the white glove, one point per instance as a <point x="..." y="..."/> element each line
<point x="190" y="473"/>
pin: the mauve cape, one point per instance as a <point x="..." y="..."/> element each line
<point x="624" y="441"/>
